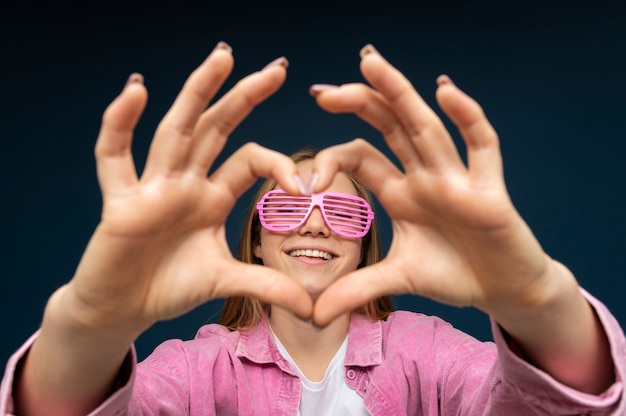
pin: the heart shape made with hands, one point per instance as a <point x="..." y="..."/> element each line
<point x="457" y="238"/>
<point x="456" y="235"/>
<point x="354" y="287"/>
<point x="321" y="172"/>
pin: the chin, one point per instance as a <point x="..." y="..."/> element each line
<point x="314" y="291"/>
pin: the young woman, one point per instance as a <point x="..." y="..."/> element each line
<point x="308" y="325"/>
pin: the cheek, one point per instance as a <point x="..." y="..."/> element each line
<point x="358" y="253"/>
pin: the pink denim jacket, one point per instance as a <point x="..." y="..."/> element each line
<point x="408" y="364"/>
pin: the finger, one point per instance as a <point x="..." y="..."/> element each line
<point x="218" y="122"/>
<point x="265" y="284"/>
<point x="115" y="167"/>
<point x="426" y="131"/>
<point x="252" y="161"/>
<point x="371" y="107"/>
<point x="483" y="149"/>
<point x="355" y="290"/>
<point x="367" y="163"/>
<point x="172" y="142"/>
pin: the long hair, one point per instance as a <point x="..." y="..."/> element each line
<point x="241" y="312"/>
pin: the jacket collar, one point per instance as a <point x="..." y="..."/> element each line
<point x="365" y="344"/>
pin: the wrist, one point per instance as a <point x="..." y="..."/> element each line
<point x="71" y="315"/>
<point x="547" y="295"/>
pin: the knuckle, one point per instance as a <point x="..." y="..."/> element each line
<point x="360" y="143"/>
<point x="251" y="147"/>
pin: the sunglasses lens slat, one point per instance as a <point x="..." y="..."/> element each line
<point x="348" y="214"/>
<point x="281" y="212"/>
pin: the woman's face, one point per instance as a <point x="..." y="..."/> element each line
<point x="313" y="255"/>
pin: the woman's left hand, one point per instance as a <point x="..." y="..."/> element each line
<point x="457" y="238"/>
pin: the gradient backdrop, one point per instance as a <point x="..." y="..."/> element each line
<point x="550" y="77"/>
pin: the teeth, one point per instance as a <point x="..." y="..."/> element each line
<point x="311" y="253"/>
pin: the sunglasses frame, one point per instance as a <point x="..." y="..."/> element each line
<point x="331" y="204"/>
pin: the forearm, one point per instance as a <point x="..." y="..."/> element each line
<point x="71" y="367"/>
<point x="563" y="337"/>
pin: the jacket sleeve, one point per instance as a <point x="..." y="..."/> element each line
<point x="115" y="405"/>
<point x="168" y="381"/>
<point x="546" y="396"/>
<point x="454" y="373"/>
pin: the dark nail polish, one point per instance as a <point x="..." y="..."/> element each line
<point x="221" y="45"/>
<point x="278" y="61"/>
<point x="134" y="78"/>
<point x="367" y="49"/>
<point x="316" y="89"/>
<point x="443" y="80"/>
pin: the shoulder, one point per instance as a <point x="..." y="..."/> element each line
<point x="217" y="332"/>
<point x="405" y="328"/>
<point x="405" y="321"/>
<point x="210" y="342"/>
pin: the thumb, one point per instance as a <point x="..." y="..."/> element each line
<point x="267" y="285"/>
<point x="354" y="290"/>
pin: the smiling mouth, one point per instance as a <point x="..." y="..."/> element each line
<point x="312" y="253"/>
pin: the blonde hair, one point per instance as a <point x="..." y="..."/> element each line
<point x="241" y="312"/>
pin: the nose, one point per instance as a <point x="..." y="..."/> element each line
<point x="315" y="225"/>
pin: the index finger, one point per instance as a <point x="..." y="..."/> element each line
<point x="359" y="157"/>
<point x="252" y="161"/>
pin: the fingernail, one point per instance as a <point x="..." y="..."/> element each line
<point x="301" y="186"/>
<point x="444" y="79"/>
<point x="278" y="61"/>
<point x="316" y="89"/>
<point x="313" y="179"/>
<point x="368" y="49"/>
<point x="134" y="78"/>
<point x="221" y="45"/>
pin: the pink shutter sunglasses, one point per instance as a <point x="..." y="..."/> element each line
<point x="347" y="215"/>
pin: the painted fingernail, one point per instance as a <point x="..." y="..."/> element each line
<point x="316" y="89"/>
<point x="301" y="186"/>
<point x="313" y="179"/>
<point x="368" y="49"/>
<point x="221" y="45"/>
<point x="134" y="78"/>
<point x="278" y="61"/>
<point x="444" y="80"/>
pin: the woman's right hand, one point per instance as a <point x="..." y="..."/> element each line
<point x="160" y="249"/>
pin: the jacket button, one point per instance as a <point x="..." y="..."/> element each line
<point x="351" y="374"/>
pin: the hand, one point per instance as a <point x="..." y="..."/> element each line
<point x="160" y="249"/>
<point x="457" y="237"/>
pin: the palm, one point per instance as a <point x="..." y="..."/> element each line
<point x="439" y="226"/>
<point x="175" y="233"/>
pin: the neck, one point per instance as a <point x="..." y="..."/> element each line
<point x="311" y="347"/>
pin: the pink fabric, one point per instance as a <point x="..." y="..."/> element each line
<point x="408" y="364"/>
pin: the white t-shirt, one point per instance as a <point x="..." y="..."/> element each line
<point x="331" y="396"/>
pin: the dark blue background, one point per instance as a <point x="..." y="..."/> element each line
<point x="550" y="77"/>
